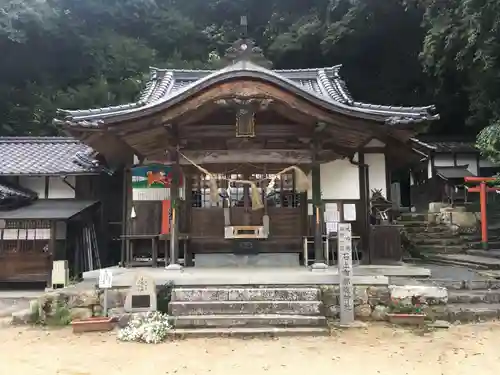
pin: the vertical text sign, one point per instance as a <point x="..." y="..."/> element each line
<point x="105" y="279"/>
<point x="345" y="274"/>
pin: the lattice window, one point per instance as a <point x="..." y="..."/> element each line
<point x="282" y="194"/>
<point x="21" y="236"/>
<point x="201" y="190"/>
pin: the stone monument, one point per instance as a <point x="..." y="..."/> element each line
<point x="141" y="296"/>
<point x="345" y="275"/>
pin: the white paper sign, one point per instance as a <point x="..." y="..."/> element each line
<point x="345" y="274"/>
<point x="105" y="279"/>
<point x="349" y="212"/>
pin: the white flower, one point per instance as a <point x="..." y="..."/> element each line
<point x="151" y="328"/>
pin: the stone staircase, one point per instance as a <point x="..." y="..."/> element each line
<point x="461" y="250"/>
<point x="472" y="301"/>
<point x="242" y="311"/>
<point x="431" y="238"/>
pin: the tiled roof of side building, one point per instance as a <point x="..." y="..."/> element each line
<point x="45" y="156"/>
<point x="446" y="146"/>
<point x="12" y="196"/>
<point x="324" y="85"/>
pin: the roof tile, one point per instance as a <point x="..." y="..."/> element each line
<point x="42" y="156"/>
<point x="323" y="84"/>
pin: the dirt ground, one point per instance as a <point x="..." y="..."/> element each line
<point x="471" y="349"/>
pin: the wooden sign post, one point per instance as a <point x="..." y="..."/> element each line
<point x="345" y="274"/>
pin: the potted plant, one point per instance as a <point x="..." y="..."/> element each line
<point x="99" y="323"/>
<point x="406" y="312"/>
<point x="93" y="324"/>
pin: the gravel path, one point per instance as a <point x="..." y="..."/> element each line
<point x="462" y="350"/>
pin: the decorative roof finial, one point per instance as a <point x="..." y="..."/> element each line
<point x="244" y="49"/>
<point x="244" y="27"/>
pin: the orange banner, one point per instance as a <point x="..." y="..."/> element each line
<point x="165" y="216"/>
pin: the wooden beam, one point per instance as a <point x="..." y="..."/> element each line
<point x="257" y="156"/>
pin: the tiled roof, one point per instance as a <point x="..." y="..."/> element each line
<point x="454" y="146"/>
<point x="448" y="173"/>
<point x="444" y="146"/>
<point x="44" y="156"/>
<point x="57" y="209"/>
<point x="324" y="86"/>
<point x="13" y="196"/>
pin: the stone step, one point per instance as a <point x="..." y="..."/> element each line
<point x="479" y="245"/>
<point x="245" y="294"/>
<point x="413" y="217"/>
<point x="264" y="320"/>
<point x="250" y="332"/>
<point x="490" y="263"/>
<point x="436" y="235"/>
<point x="485" y="253"/>
<point x="428" y="229"/>
<point x="244" y="307"/>
<point x="414" y="223"/>
<point x="468" y="313"/>
<point x="466" y="285"/>
<point x="437" y="241"/>
<point x="474" y="296"/>
<point x="441" y="249"/>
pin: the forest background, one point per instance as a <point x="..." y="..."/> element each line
<point x="91" y="53"/>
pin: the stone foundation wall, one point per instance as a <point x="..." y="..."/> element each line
<point x="372" y="302"/>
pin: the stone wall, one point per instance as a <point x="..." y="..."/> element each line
<point x="59" y="307"/>
<point x="372" y="302"/>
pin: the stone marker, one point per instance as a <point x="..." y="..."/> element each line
<point x="345" y="274"/>
<point x="141" y="296"/>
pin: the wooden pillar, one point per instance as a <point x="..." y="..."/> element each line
<point x="52" y="251"/>
<point x="317" y="213"/>
<point x="365" y="208"/>
<point x="188" y="197"/>
<point x="125" y="216"/>
<point x="174" y="204"/>
<point x="247" y="203"/>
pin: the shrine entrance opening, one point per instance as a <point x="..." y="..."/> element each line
<point x="231" y="223"/>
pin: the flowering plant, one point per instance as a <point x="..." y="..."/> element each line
<point x="407" y="306"/>
<point x="151" y="328"/>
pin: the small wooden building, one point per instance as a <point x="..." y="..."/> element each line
<point x="55" y="204"/>
<point x="440" y="176"/>
<point x="204" y="153"/>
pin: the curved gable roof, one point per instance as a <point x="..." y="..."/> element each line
<point x="323" y="87"/>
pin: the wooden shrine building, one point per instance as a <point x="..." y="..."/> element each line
<point x="207" y="157"/>
<point x="57" y="202"/>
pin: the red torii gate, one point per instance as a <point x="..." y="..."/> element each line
<point x="482" y="190"/>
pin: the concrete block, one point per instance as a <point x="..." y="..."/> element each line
<point x="435" y="207"/>
<point x="22" y="317"/>
<point x="431" y="294"/>
<point x="259" y="260"/>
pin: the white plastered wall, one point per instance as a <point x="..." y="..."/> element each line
<point x="339" y="180"/>
<point x="470" y="160"/>
<point x="377" y="177"/>
<point x="57" y="188"/>
<point x="448" y="160"/>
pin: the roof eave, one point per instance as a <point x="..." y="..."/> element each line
<point x="344" y="109"/>
<point x="52" y="174"/>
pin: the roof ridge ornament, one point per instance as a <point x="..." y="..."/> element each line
<point x="245" y="49"/>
